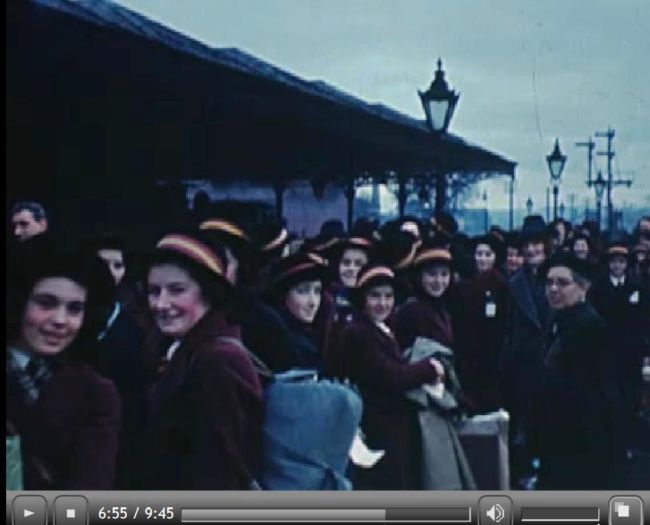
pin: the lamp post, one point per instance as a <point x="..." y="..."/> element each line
<point x="529" y="205"/>
<point x="439" y="103"/>
<point x="599" y="185"/>
<point x="556" y="161"/>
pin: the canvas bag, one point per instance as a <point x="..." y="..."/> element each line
<point x="309" y="428"/>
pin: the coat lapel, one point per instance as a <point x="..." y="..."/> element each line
<point x="523" y="297"/>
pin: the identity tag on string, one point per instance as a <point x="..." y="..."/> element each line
<point x="490" y="309"/>
<point x="634" y="298"/>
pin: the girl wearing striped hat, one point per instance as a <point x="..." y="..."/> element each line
<point x="427" y="314"/>
<point x="296" y="294"/>
<point x="371" y="358"/>
<point x="205" y="411"/>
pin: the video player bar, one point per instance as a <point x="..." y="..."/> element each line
<point x="453" y="508"/>
<point x="419" y="515"/>
<point x="564" y="515"/>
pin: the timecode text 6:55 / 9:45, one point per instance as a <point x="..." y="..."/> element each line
<point x="121" y="513"/>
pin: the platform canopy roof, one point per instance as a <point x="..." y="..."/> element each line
<point x="95" y="87"/>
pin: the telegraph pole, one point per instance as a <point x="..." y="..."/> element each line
<point x="609" y="134"/>
<point x="590" y="145"/>
<point x="610" y="155"/>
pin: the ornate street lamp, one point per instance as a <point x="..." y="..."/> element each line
<point x="556" y="161"/>
<point x="529" y="205"/>
<point x="439" y="103"/>
<point x="599" y="184"/>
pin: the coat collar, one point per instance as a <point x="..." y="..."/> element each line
<point x="521" y="292"/>
<point x="212" y="325"/>
<point x="363" y="318"/>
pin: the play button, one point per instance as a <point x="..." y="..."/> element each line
<point x="30" y="510"/>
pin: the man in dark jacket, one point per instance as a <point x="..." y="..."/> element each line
<point x="617" y="297"/>
<point x="523" y="352"/>
<point x="577" y="412"/>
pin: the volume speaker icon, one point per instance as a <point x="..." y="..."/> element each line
<point x="496" y="513"/>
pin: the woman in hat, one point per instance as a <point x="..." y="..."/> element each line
<point x="296" y="294"/>
<point x="205" y="411"/>
<point x="66" y="414"/>
<point x="375" y="363"/>
<point x="352" y="254"/>
<point x="577" y="418"/>
<point x="250" y="254"/>
<point x="397" y="248"/>
<point x="482" y="317"/>
<point x="427" y="314"/>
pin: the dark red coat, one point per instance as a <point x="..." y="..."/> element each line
<point x="205" y="414"/>
<point x="480" y="338"/>
<point x="424" y="317"/>
<point x="376" y="365"/>
<point x="71" y="433"/>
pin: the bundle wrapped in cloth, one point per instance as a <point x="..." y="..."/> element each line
<point x="445" y="466"/>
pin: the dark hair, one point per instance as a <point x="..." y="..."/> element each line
<point x="513" y="240"/>
<point x="341" y="248"/>
<point x="35" y="208"/>
<point x="29" y="267"/>
<point x="110" y="241"/>
<point x="585" y="238"/>
<point x="495" y="245"/>
<point x="107" y="241"/>
<point x="581" y="270"/>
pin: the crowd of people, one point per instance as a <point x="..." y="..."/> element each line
<point x="144" y="372"/>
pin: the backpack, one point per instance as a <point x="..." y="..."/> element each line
<point x="309" y="428"/>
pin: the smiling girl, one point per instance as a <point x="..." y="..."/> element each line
<point x="67" y="415"/>
<point x="427" y="314"/>
<point x="296" y="294"/>
<point x="374" y="362"/>
<point x="191" y="441"/>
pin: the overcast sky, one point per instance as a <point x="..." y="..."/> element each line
<point x="527" y="70"/>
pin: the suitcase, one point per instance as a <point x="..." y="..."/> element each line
<point x="485" y="440"/>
